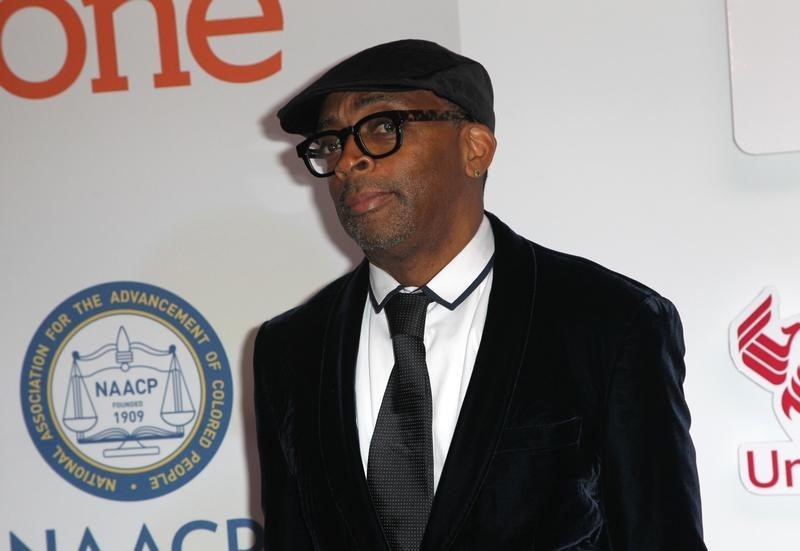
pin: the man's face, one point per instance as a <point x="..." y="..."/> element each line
<point x="410" y="199"/>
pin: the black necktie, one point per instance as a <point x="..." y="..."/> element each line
<point x="400" y="466"/>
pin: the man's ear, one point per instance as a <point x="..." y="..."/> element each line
<point x="479" y="146"/>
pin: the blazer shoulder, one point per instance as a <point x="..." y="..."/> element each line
<point x="580" y="283"/>
<point x="566" y="277"/>
<point x="291" y="340"/>
<point x="310" y="313"/>
<point x="568" y="283"/>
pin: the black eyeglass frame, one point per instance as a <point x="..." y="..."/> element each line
<point x="398" y="117"/>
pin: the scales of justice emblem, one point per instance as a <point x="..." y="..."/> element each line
<point x="129" y="394"/>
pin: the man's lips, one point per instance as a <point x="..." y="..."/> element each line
<point x="366" y="201"/>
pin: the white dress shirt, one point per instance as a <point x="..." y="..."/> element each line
<point x="453" y="329"/>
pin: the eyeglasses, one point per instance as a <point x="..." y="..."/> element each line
<point x="377" y="135"/>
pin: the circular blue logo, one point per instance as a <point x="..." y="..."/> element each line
<point x="126" y="391"/>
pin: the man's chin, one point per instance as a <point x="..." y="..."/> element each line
<point x="372" y="242"/>
<point x="371" y="238"/>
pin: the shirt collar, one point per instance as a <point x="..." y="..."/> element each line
<point x="453" y="283"/>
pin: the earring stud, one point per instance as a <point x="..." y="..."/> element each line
<point x="476" y="173"/>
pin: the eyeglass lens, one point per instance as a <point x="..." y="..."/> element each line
<point x="375" y="136"/>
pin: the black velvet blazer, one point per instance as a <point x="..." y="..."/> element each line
<point x="574" y="432"/>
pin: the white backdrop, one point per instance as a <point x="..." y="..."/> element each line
<point x="615" y="143"/>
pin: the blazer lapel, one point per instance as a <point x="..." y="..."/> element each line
<point x="483" y="412"/>
<point x="338" y="432"/>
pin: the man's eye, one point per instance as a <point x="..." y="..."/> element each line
<point x="324" y="148"/>
<point x="380" y="126"/>
<point x="332" y="147"/>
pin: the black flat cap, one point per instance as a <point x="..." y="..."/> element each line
<point x="400" y="65"/>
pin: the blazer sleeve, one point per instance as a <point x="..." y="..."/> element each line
<point x="650" y="488"/>
<point x="284" y="525"/>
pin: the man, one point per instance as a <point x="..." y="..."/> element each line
<point x="462" y="388"/>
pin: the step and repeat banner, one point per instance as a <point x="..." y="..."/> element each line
<point x="153" y="214"/>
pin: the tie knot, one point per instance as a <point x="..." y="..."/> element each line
<point x="406" y="314"/>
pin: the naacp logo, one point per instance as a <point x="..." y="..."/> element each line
<point x="764" y="348"/>
<point x="126" y="391"/>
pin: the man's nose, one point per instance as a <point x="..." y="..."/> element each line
<point x="352" y="158"/>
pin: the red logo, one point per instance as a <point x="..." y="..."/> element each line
<point x="763" y="349"/>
